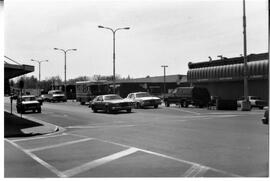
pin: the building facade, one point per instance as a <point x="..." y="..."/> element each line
<point x="225" y="77"/>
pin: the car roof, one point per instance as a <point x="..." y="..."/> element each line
<point x="28" y="96"/>
<point x="138" y="92"/>
<point x="110" y="95"/>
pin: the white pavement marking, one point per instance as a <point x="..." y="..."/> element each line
<point x="192" y="112"/>
<point x="103" y="126"/>
<point x="39" y="137"/>
<point x="40" y="161"/>
<point x="172" y="158"/>
<point x="98" y="162"/>
<point x="58" y="145"/>
<point x="195" y="171"/>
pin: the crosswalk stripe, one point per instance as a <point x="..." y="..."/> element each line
<point x="98" y="162"/>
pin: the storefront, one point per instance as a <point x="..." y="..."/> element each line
<point x="224" y="78"/>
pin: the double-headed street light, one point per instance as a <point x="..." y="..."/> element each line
<point x="65" y="67"/>
<point x="39" y="67"/>
<point x="114" y="31"/>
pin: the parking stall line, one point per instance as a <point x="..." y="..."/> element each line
<point x="100" y="126"/>
<point x="59" y="145"/>
<point x="98" y="162"/>
<point x="195" y="171"/>
<point x="199" y="172"/>
<point x="38" y="137"/>
<point x="40" y="161"/>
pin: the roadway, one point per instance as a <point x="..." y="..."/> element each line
<point x="163" y="142"/>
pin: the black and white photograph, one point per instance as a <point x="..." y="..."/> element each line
<point x="152" y="89"/>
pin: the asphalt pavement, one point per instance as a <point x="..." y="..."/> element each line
<point x="163" y="142"/>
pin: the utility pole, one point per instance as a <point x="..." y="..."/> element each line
<point x="245" y="104"/>
<point x="164" y="78"/>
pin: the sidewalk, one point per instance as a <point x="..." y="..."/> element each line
<point x="15" y="126"/>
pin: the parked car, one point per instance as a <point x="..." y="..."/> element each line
<point x="265" y="119"/>
<point x="55" y="96"/>
<point x="143" y="99"/>
<point x="110" y="103"/>
<point x="255" y="101"/>
<point x="197" y="96"/>
<point x="28" y="102"/>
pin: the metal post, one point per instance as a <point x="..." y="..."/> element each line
<point x="164" y="78"/>
<point x="114" y="62"/>
<point x="245" y="53"/>
<point x="113" y="31"/>
<point x="65" y="68"/>
<point x="245" y="104"/>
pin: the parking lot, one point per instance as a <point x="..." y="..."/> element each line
<point x="163" y="142"/>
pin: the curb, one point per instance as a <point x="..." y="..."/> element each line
<point x="53" y="130"/>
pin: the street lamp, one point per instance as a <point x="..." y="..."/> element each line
<point x="164" y="84"/>
<point x="39" y="68"/>
<point x="114" y="31"/>
<point x="65" y="67"/>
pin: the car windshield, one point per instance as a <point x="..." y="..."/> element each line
<point x="29" y="98"/>
<point x="143" y="94"/>
<point x="58" y="92"/>
<point x="254" y="97"/>
<point x="112" y="97"/>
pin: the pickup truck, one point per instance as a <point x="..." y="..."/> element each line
<point x="186" y="96"/>
<point x="255" y="101"/>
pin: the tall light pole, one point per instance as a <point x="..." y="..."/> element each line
<point x="65" y="67"/>
<point x="114" y="31"/>
<point x="164" y="78"/>
<point x="245" y="104"/>
<point x="39" y="68"/>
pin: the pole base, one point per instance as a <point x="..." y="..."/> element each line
<point x="245" y="105"/>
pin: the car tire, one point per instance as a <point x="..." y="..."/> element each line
<point x="39" y="110"/>
<point x="108" y="110"/>
<point x="94" y="109"/>
<point x="261" y="107"/>
<point x="155" y="106"/>
<point x="138" y="106"/>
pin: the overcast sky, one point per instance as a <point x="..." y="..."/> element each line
<point x="163" y="32"/>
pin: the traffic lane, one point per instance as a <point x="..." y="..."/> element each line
<point x="204" y="141"/>
<point x="71" y="114"/>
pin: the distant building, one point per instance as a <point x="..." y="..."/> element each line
<point x="224" y="77"/>
<point x="153" y="85"/>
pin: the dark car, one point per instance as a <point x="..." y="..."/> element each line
<point x="197" y="96"/>
<point x="265" y="119"/>
<point x="110" y="103"/>
<point x="26" y="103"/>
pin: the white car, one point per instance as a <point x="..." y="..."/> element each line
<point x="143" y="99"/>
<point x="255" y="101"/>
